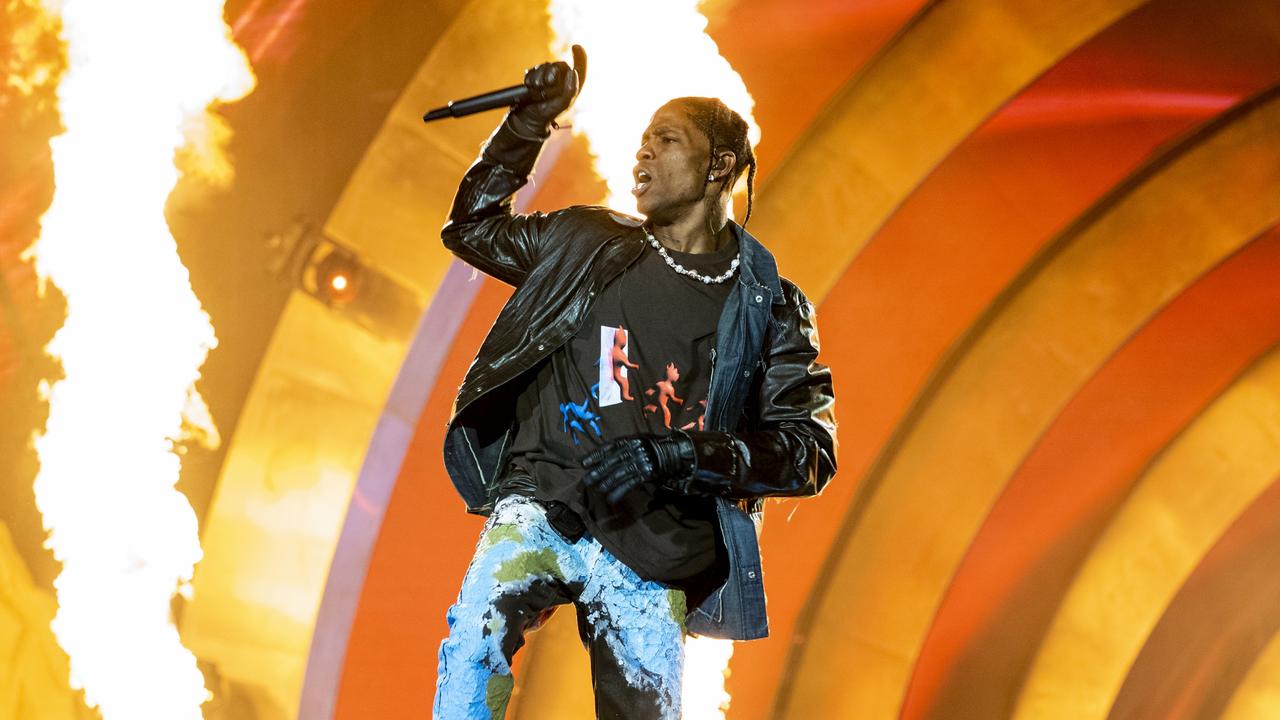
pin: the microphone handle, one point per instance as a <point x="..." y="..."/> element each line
<point x="513" y="95"/>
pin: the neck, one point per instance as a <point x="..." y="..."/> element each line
<point x="701" y="232"/>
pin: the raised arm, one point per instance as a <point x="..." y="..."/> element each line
<point x="482" y="230"/>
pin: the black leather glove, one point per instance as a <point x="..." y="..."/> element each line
<point x="620" y="465"/>
<point x="555" y="86"/>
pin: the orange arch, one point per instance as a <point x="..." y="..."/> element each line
<point x="1216" y="627"/>
<point x="1046" y="519"/>
<point x="422" y="551"/>
<point x="960" y="238"/>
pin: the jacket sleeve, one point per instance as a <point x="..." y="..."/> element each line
<point x="482" y="230"/>
<point x="787" y="445"/>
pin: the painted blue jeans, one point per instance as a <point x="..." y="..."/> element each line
<point x="522" y="569"/>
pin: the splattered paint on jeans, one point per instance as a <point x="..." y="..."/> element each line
<point x="523" y="569"/>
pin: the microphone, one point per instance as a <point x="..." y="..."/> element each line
<point x="514" y="95"/>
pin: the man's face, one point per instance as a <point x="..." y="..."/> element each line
<point x="671" y="166"/>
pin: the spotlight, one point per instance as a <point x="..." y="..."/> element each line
<point x="335" y="279"/>
<point x="303" y="256"/>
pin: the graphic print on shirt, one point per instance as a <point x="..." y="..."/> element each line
<point x="700" y="423"/>
<point x="573" y="415"/>
<point x="666" y="393"/>
<point x="614" y="364"/>
<point x="614" y="384"/>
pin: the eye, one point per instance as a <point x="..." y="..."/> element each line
<point x="668" y="139"/>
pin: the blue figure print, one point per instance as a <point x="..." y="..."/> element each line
<point x="573" y="415"/>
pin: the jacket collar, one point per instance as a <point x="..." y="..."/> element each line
<point x="756" y="265"/>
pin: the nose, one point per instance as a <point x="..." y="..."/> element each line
<point x="644" y="153"/>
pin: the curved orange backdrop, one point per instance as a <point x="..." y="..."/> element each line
<point x="927" y="275"/>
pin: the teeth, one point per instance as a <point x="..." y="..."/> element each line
<point x="642" y="176"/>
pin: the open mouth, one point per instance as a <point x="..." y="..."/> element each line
<point x="642" y="183"/>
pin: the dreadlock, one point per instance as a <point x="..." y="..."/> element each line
<point x="725" y="129"/>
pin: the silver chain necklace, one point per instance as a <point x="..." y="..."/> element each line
<point x="686" y="271"/>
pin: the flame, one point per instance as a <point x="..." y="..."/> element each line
<point x="627" y="81"/>
<point x="139" y="75"/>
<point x="706" y="665"/>
<point x="31" y="61"/>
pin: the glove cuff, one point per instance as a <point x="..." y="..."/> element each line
<point x="675" y="460"/>
<point x="528" y="128"/>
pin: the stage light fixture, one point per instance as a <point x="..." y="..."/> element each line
<point x="336" y="278"/>
<point x="335" y="275"/>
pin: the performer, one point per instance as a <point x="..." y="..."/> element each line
<point x="645" y="524"/>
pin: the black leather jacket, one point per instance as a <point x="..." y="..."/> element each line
<point x="770" y="422"/>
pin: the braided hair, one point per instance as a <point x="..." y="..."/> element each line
<point x="725" y="129"/>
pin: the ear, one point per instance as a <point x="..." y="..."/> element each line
<point x="725" y="163"/>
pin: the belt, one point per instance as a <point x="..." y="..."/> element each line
<point x="568" y="523"/>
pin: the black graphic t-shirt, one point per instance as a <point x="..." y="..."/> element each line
<point x="640" y="363"/>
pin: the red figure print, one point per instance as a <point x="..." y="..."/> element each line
<point x="666" y="391"/>
<point x="619" y="358"/>
<point x="701" y="421"/>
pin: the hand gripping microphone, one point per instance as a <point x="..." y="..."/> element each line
<point x="514" y="95"/>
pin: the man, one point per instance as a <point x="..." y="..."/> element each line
<point x="646" y="387"/>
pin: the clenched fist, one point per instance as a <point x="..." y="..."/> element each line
<point x="617" y="467"/>
<point x="554" y="87"/>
